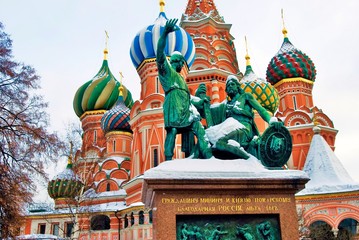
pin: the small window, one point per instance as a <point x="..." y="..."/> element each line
<point x="126" y="221"/>
<point x="141" y="217"/>
<point x="42" y="228"/>
<point x="108" y="187"/>
<point x="150" y="215"/>
<point x="55" y="229"/>
<point x="100" y="222"/>
<point x="295" y="103"/>
<point x="132" y="219"/>
<point x="155" y="157"/>
<point x="157" y="85"/>
<point x="69" y="226"/>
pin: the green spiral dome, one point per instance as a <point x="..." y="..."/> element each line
<point x="100" y="93"/>
<point x="65" y="185"/>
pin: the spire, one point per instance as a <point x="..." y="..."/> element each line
<point x="105" y="52"/>
<point x="247" y="57"/>
<point x="284" y="31"/>
<point x="120" y="89"/>
<point x="162" y="5"/>
<point x="204" y="6"/>
<point x="69" y="159"/>
<point x="249" y="69"/>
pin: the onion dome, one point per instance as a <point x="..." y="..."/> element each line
<point x="290" y="62"/>
<point x="100" y="93"/>
<point x="144" y="45"/>
<point x="117" y="119"/>
<point x="66" y="184"/>
<point x="262" y="90"/>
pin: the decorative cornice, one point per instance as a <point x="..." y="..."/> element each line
<point x="289" y="80"/>
<point x="96" y="112"/>
<point x="109" y="134"/>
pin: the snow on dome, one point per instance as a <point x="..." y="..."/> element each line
<point x="67" y="174"/>
<point x="326" y="173"/>
<point x="65" y="185"/>
<point x="144" y="45"/>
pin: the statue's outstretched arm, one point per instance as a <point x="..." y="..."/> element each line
<point x="169" y="27"/>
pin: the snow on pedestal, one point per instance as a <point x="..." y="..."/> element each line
<point x="215" y="168"/>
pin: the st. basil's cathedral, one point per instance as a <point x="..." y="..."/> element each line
<point x="99" y="194"/>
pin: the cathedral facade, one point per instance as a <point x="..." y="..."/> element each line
<point x="99" y="194"/>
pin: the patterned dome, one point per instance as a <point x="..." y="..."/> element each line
<point x="66" y="184"/>
<point x="145" y="43"/>
<point x="117" y="118"/>
<point x="262" y="90"/>
<point x="100" y="93"/>
<point x="290" y="62"/>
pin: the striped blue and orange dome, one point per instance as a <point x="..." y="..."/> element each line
<point x="144" y="44"/>
<point x="117" y="118"/>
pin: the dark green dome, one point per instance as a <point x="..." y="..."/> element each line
<point x="65" y="185"/>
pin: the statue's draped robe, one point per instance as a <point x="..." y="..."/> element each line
<point x="177" y="105"/>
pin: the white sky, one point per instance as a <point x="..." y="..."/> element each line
<point x="64" y="41"/>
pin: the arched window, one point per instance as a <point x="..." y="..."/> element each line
<point x="150" y="215"/>
<point x="141" y="218"/>
<point x="157" y="85"/>
<point x="155" y="157"/>
<point x="347" y="228"/>
<point x="126" y="221"/>
<point x="132" y="219"/>
<point x="114" y="145"/>
<point x="100" y="222"/>
<point x="321" y="230"/>
<point x="295" y="103"/>
<point x="108" y="187"/>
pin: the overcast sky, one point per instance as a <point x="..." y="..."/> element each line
<point x="64" y="41"/>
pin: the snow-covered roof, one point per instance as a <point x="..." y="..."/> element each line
<point x="91" y="193"/>
<point x="37" y="236"/>
<point x="104" y="207"/>
<point x="326" y="172"/>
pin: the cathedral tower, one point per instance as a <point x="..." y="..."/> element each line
<point x="215" y="51"/>
<point x="293" y="74"/>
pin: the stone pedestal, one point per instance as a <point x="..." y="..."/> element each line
<point x="230" y="198"/>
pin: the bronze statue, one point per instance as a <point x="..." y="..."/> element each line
<point x="237" y="111"/>
<point x="179" y="113"/>
<point x="234" y="133"/>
